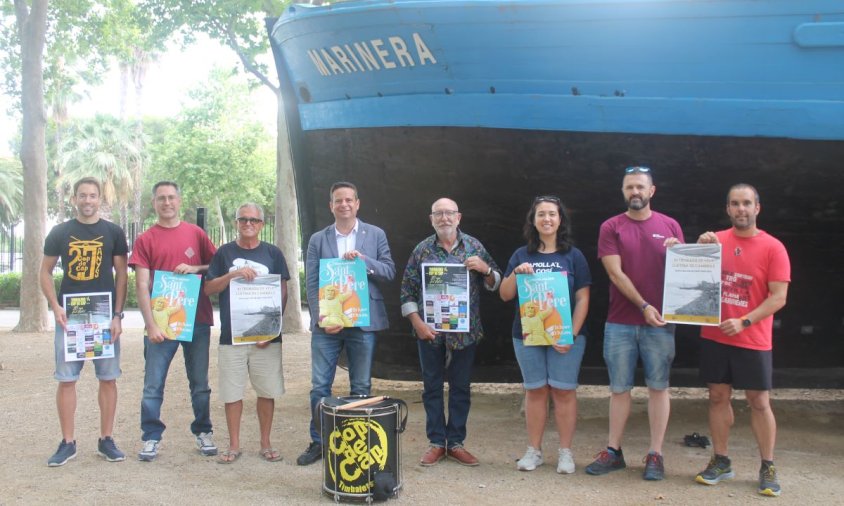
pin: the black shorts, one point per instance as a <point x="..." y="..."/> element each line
<point x="742" y="368"/>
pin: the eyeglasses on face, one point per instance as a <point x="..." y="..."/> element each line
<point x="447" y="214"/>
<point x="637" y="169"/>
<point x="243" y="221"/>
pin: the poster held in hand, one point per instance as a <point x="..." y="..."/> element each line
<point x="545" y="308"/>
<point x="87" y="334"/>
<point x="445" y="293"/>
<point x="343" y="293"/>
<point x="692" y="291"/>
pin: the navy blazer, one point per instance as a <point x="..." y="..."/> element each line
<point x="371" y="241"/>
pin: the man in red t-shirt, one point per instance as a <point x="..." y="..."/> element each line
<point x="755" y="272"/>
<point x="175" y="246"/>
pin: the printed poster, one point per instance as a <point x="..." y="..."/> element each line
<point x="545" y="308"/>
<point x="174" y="299"/>
<point x="255" y="309"/>
<point x="692" y="293"/>
<point x="445" y="293"/>
<point x="87" y="335"/>
<point x="343" y="293"/>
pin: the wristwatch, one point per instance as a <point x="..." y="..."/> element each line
<point x="746" y="323"/>
<point x="118" y="315"/>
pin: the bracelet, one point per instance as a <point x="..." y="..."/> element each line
<point x="645" y="306"/>
<point x="488" y="271"/>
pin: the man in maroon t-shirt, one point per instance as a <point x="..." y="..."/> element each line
<point x="175" y="246"/>
<point x="632" y="247"/>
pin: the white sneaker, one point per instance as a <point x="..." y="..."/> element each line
<point x="205" y="444"/>
<point x="565" y="462"/>
<point x="531" y="460"/>
<point x="150" y="450"/>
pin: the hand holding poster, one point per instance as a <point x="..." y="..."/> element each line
<point x="174" y="299"/>
<point x="544" y="308"/>
<point x="343" y="293"/>
<point x="87" y="335"/>
<point x="255" y="309"/>
<point x="445" y="293"/>
<point x="692" y="292"/>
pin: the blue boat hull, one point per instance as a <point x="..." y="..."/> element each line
<point x="529" y="98"/>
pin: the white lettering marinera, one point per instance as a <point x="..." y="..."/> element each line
<point x="372" y="55"/>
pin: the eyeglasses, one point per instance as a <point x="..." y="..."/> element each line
<point x="547" y="198"/>
<point x="447" y="214"/>
<point x="253" y="221"/>
<point x="637" y="169"/>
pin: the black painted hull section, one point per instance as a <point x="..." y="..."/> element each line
<point x="494" y="174"/>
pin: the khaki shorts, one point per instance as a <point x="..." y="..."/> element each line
<point x="261" y="365"/>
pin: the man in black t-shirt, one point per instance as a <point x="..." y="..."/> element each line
<point x="93" y="253"/>
<point x="247" y="258"/>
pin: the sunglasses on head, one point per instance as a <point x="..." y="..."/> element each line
<point x="547" y="198"/>
<point x="637" y="169"/>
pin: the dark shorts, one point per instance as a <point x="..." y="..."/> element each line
<point x="742" y="368"/>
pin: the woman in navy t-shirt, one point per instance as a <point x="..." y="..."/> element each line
<point x="550" y="369"/>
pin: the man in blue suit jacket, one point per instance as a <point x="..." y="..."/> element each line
<point x="347" y="238"/>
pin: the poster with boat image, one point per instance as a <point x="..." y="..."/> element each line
<point x="445" y="293"/>
<point x="692" y="292"/>
<point x="343" y="293"/>
<point x="87" y="334"/>
<point x="174" y="299"/>
<point x="255" y="309"/>
<point x="545" y="308"/>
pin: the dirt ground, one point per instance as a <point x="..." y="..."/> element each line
<point x="809" y="452"/>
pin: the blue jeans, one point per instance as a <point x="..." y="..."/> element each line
<point x="625" y="344"/>
<point x="158" y="357"/>
<point x="432" y="358"/>
<point x="325" y="352"/>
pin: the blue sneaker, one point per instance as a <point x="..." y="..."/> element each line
<point x="768" y="483"/>
<point x="108" y="449"/>
<point x="605" y="462"/>
<point x="65" y="452"/>
<point x="718" y="469"/>
<point x="654" y="468"/>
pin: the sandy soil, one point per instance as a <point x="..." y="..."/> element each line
<point x="810" y="447"/>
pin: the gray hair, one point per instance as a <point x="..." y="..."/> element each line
<point x="250" y="205"/>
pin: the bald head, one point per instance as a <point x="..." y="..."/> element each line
<point x="445" y="217"/>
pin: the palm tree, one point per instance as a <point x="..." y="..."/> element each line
<point x="11" y="192"/>
<point x="107" y="149"/>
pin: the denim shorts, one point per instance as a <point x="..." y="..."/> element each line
<point x="625" y="344"/>
<point x="543" y="365"/>
<point x="106" y="369"/>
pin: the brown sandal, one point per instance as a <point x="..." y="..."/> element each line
<point x="270" y="455"/>
<point x="229" y="457"/>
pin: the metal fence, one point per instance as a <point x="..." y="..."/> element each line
<point x="11" y="251"/>
<point x="11" y="244"/>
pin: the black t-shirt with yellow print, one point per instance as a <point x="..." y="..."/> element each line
<point x="87" y="252"/>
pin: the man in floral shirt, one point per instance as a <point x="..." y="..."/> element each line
<point x="452" y="351"/>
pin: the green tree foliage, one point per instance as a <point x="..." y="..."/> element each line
<point x="105" y="148"/>
<point x="11" y="192"/>
<point x="218" y="154"/>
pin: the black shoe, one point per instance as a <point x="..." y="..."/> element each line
<point x="311" y="454"/>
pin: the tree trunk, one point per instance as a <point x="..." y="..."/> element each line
<point x="32" y="28"/>
<point x="139" y="72"/>
<point x="287" y="219"/>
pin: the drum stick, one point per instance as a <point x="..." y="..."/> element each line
<point x="363" y="402"/>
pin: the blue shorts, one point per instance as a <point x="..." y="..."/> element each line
<point x="106" y="369"/>
<point x="543" y="365"/>
<point x="625" y="344"/>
